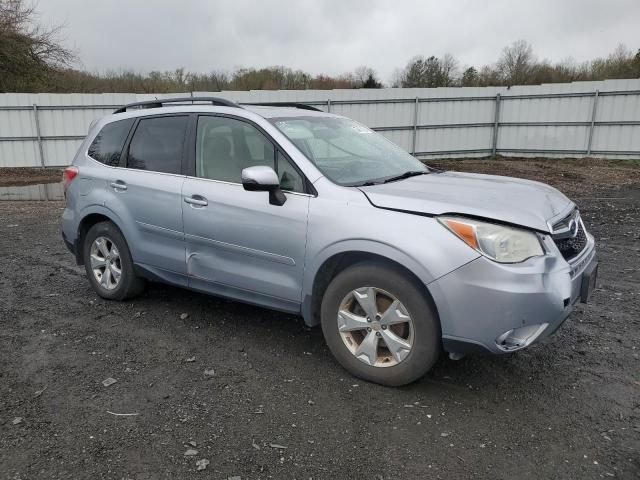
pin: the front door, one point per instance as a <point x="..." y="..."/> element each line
<point x="238" y="244"/>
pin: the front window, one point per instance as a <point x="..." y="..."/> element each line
<point x="347" y="152"/>
<point x="225" y="146"/>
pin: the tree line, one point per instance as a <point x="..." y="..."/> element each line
<point x="269" y="78"/>
<point x="517" y="65"/>
<point x="32" y="59"/>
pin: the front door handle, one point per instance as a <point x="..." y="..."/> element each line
<point x="119" y="185"/>
<point x="196" y="200"/>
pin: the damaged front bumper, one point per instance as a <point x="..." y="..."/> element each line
<point x="486" y="306"/>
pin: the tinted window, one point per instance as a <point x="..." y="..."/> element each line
<point x="226" y="146"/>
<point x="107" y="145"/>
<point x="157" y="144"/>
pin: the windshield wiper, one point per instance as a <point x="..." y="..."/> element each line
<point x="368" y="183"/>
<point x="402" y="176"/>
<point x="379" y="181"/>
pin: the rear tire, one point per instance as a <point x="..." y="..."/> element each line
<point x="108" y="263"/>
<point x="408" y="339"/>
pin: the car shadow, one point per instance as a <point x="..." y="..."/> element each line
<point x="266" y="329"/>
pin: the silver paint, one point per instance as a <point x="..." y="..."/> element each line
<point x="236" y="244"/>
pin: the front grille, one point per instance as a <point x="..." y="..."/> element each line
<point x="571" y="246"/>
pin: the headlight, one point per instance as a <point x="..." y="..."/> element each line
<point x="499" y="243"/>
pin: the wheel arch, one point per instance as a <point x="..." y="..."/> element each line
<point x="332" y="264"/>
<point x="89" y="219"/>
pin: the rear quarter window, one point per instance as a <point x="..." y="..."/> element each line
<point x="107" y="146"/>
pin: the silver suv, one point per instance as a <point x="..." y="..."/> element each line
<point x="294" y="209"/>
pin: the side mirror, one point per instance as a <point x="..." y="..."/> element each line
<point x="263" y="179"/>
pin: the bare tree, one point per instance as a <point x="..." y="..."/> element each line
<point x="28" y="51"/>
<point x="396" y="78"/>
<point x="219" y="79"/>
<point x="361" y="74"/>
<point x="515" y="63"/>
<point x="415" y="73"/>
<point x="489" y="77"/>
<point x="449" y="68"/>
<point x="365" y="77"/>
<point x="621" y="62"/>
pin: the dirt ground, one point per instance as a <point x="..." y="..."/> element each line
<point x="259" y="395"/>
<point x="12" y="177"/>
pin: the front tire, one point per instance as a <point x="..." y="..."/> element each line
<point x="108" y="263"/>
<point x="380" y="324"/>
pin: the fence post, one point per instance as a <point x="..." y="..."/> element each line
<point x="496" y="126"/>
<point x="415" y="126"/>
<point x="38" y="135"/>
<point x="328" y="105"/>
<point x="593" y="120"/>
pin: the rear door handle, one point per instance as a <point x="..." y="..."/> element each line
<point x="196" y="200"/>
<point x="119" y="185"/>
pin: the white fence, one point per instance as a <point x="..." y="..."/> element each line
<point x="599" y="119"/>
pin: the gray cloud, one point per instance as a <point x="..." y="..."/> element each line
<point x="333" y="36"/>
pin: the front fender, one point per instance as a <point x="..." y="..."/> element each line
<point x="351" y="224"/>
<point x="354" y="246"/>
<point x="361" y="245"/>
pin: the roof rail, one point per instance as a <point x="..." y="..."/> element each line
<point x="220" y="102"/>
<point x="301" y="106"/>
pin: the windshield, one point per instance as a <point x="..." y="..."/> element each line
<point x="347" y="152"/>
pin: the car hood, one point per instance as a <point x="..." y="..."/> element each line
<point x="513" y="200"/>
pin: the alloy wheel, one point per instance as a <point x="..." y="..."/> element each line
<point x="106" y="264"/>
<point x="375" y="326"/>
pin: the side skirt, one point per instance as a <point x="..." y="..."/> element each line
<point x="218" y="289"/>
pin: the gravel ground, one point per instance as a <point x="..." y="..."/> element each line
<point x="257" y="394"/>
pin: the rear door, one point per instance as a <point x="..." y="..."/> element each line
<point x="238" y="244"/>
<point x="147" y="192"/>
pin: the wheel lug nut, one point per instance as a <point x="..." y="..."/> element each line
<point x="377" y="334"/>
<point x="368" y="329"/>
<point x="368" y="319"/>
<point x="378" y="317"/>
<point x="384" y="327"/>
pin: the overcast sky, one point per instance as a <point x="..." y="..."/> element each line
<point x="333" y="36"/>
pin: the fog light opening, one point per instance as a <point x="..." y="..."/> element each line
<point x="518" y="338"/>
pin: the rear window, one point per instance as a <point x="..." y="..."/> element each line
<point x="107" y="146"/>
<point x="157" y="144"/>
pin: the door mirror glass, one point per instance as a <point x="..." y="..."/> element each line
<point x="263" y="179"/>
